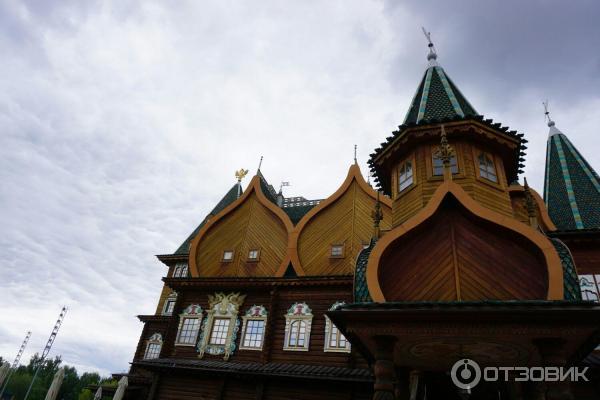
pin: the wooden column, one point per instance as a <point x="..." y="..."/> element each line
<point x="384" y="368"/>
<point x="552" y="354"/>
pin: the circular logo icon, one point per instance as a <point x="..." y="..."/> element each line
<point x="465" y="374"/>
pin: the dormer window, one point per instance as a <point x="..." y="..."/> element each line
<point x="227" y="256"/>
<point x="253" y="255"/>
<point x="487" y="169"/>
<point x="181" y="270"/>
<point x="405" y="175"/>
<point x="438" y="165"/>
<point x="336" y="251"/>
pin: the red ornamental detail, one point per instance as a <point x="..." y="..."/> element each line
<point x="299" y="309"/>
<point x="256" y="311"/>
<point x="193" y="309"/>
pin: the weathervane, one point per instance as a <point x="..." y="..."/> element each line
<point x="355" y="154"/>
<point x="241" y="174"/>
<point x="432" y="56"/>
<point x="547" y="114"/>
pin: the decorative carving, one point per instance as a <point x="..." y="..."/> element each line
<point x="298" y="323"/>
<point x="377" y="215"/>
<point x="256" y="336"/>
<point x="223" y="307"/>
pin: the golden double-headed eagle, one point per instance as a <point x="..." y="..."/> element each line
<point x="241" y="174"/>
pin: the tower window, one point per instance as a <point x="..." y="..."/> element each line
<point x="487" y="169"/>
<point x="253" y="255"/>
<point x="405" y="175"/>
<point x="337" y="251"/>
<point x="590" y="287"/>
<point x="438" y="165"/>
<point x="227" y="256"/>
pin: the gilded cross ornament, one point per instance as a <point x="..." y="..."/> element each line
<point x="377" y="215"/>
<point x="241" y="174"/>
<point x="444" y="151"/>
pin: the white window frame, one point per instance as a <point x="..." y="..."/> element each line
<point x="340" y="246"/>
<point x="193" y="311"/>
<point x="154" y="340"/>
<point x="228" y="260"/>
<point x="254" y="313"/>
<point x="298" y="312"/>
<point x="221" y="306"/>
<point x="171" y="299"/>
<point x="329" y="330"/>
<point x="406" y="174"/>
<point x="181" y="270"/>
<point x="487" y="167"/>
<point x="255" y="250"/>
<point x="590" y="287"/>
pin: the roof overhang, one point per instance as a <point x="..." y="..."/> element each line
<point x="433" y="336"/>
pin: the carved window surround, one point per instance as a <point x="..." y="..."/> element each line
<point x="188" y="336"/>
<point x="253" y="334"/>
<point x="333" y="335"/>
<point x="221" y="306"/>
<point x="298" y="323"/>
<point x="153" y="347"/>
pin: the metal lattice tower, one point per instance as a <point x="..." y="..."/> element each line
<point x="49" y="344"/>
<point x="15" y="363"/>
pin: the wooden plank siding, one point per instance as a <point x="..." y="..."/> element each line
<point x="250" y="226"/>
<point x="454" y="256"/>
<point x="318" y="298"/>
<point x="188" y="386"/>
<point x="489" y="194"/>
<point x="347" y="221"/>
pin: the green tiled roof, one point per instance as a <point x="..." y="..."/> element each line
<point x="571" y="282"/>
<point x="297" y="212"/>
<point x="572" y="187"/>
<point x="231" y="196"/>
<point x="361" y="290"/>
<point x="437" y="98"/>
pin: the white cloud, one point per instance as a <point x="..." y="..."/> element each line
<point x="122" y="124"/>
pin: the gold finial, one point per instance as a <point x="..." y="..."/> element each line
<point x="377" y="215"/>
<point x="445" y="152"/>
<point x="241" y="174"/>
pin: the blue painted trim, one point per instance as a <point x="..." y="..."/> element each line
<point x="568" y="183"/>
<point x="425" y="95"/>
<point x="449" y="92"/>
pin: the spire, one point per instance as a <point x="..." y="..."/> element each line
<point x="571" y="187"/>
<point x="437" y="97"/>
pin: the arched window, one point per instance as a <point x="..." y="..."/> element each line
<point x="169" y="304"/>
<point x="181" y="270"/>
<point x="335" y="341"/>
<point x="153" y="347"/>
<point x="298" y="322"/>
<point x="253" y="328"/>
<point x="405" y="175"/>
<point x="487" y="169"/>
<point x="189" y="326"/>
<point x="438" y="165"/>
<point x="221" y="326"/>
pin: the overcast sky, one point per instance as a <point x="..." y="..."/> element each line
<point x="122" y="123"/>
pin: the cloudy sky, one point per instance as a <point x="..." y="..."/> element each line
<point x="122" y="123"/>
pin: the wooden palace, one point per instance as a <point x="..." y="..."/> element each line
<point x="375" y="293"/>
